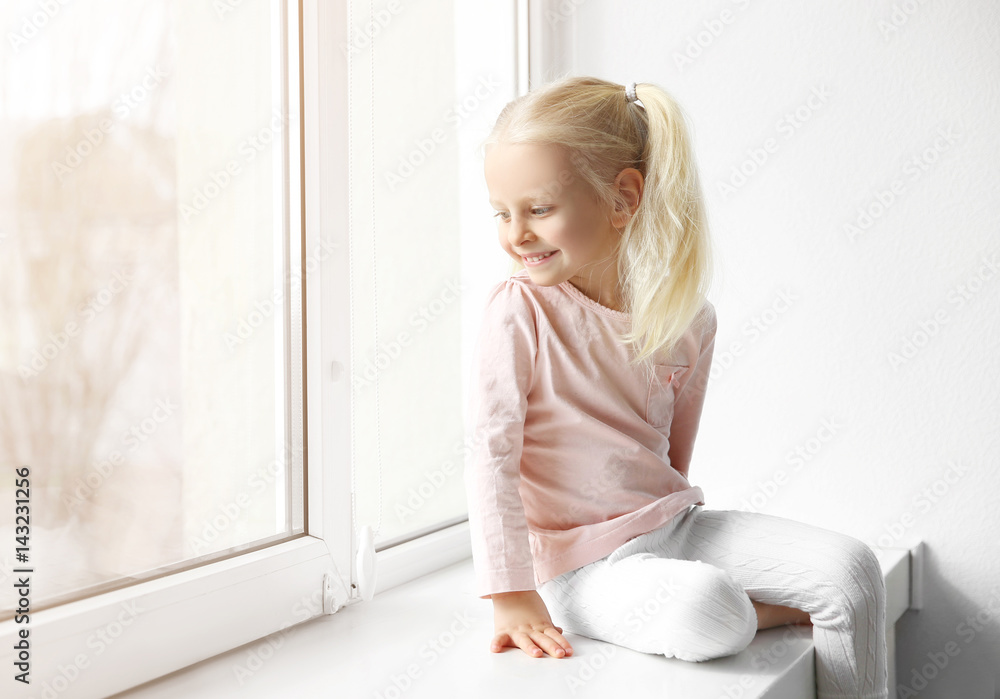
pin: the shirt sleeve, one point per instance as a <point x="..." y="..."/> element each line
<point x="502" y="373"/>
<point x="689" y="403"/>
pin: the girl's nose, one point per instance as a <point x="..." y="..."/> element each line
<point x="519" y="232"/>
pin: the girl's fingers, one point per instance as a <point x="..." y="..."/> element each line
<point x="525" y="643"/>
<point x="548" y="643"/>
<point x="558" y="637"/>
<point x="534" y="643"/>
<point x="500" y="641"/>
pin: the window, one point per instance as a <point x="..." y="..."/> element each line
<point x="150" y="371"/>
<point x="215" y="246"/>
<point x="153" y="262"/>
<point x="427" y="82"/>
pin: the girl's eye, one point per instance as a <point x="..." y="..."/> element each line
<point x="502" y="215"/>
<point x="541" y="210"/>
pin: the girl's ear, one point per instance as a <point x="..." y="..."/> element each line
<point x="629" y="184"/>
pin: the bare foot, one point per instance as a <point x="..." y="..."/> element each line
<point x="771" y="615"/>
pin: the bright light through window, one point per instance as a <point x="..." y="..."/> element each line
<point x="149" y="332"/>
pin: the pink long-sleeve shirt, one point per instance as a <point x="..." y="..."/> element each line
<point x="574" y="451"/>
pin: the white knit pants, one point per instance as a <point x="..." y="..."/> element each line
<point x="684" y="591"/>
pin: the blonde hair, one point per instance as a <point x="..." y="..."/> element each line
<point x="664" y="256"/>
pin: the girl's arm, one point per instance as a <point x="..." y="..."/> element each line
<point x="503" y="372"/>
<point x="691" y="399"/>
<point x="503" y="376"/>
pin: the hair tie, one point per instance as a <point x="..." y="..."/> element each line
<point x="630" y="93"/>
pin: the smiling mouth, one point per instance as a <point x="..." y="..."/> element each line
<point x="538" y="258"/>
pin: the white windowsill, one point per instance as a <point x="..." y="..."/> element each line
<point x="429" y="638"/>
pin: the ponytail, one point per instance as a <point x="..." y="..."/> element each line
<point x="665" y="261"/>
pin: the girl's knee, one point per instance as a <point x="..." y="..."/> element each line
<point x="860" y="568"/>
<point x="716" y="621"/>
<point x="855" y="579"/>
<point x="677" y="608"/>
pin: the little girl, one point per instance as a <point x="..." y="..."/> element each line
<point x="588" y="388"/>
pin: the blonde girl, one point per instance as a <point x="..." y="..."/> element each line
<point x="588" y="386"/>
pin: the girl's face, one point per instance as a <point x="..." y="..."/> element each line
<point x="544" y="210"/>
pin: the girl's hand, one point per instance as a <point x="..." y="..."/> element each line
<point x="520" y="620"/>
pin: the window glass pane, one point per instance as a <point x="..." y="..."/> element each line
<point x="145" y="327"/>
<point x="426" y="84"/>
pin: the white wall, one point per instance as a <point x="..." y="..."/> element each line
<point x="915" y="450"/>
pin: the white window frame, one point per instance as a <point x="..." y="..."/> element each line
<point x="111" y="642"/>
